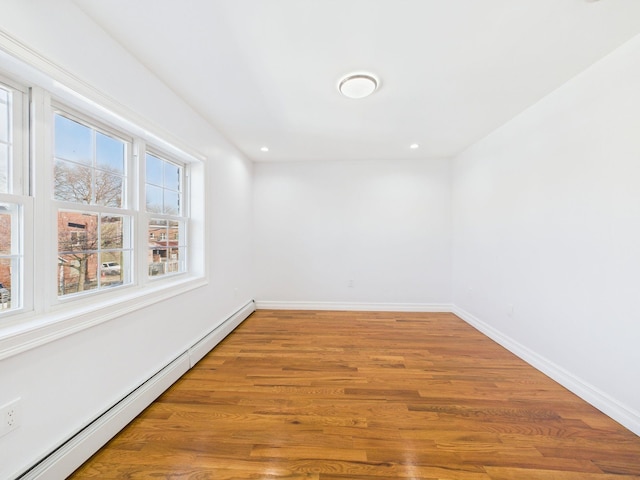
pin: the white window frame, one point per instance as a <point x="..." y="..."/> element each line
<point x="183" y="218"/>
<point x="56" y="206"/>
<point x="19" y="195"/>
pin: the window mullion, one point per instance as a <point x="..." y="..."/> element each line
<point x="141" y="220"/>
<point x="42" y="224"/>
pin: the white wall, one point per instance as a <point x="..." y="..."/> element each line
<point x="66" y="383"/>
<point x="383" y="225"/>
<point x="547" y="220"/>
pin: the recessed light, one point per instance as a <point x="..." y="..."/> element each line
<point x="413" y="146"/>
<point x="358" y="85"/>
<point x="264" y="149"/>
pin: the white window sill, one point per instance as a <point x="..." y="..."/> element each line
<point x="33" y="330"/>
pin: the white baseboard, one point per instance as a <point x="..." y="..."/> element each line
<point x="351" y="306"/>
<point x="207" y="343"/>
<point x="623" y="414"/>
<point x="77" y="450"/>
<point x="73" y="453"/>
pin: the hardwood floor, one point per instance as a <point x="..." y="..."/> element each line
<point x="366" y="396"/>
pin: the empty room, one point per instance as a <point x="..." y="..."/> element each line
<point x="320" y="239"/>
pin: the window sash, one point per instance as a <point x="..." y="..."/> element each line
<point x="85" y="177"/>
<point x="83" y="248"/>
<point x="15" y="214"/>
<point x="14" y="165"/>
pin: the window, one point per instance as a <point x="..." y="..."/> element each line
<point x="164" y="193"/>
<point x="12" y="202"/>
<point x="95" y="247"/>
<point x="94" y="212"/>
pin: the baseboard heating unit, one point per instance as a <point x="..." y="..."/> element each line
<point x="65" y="459"/>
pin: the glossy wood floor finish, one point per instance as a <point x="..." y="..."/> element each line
<point x="369" y="396"/>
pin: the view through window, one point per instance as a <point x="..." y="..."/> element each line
<point x="164" y="202"/>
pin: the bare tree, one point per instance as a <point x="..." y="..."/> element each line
<point x="74" y="183"/>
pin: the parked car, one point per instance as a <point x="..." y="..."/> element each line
<point x="111" y="268"/>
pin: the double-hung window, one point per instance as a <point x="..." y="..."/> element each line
<point x="95" y="212"/>
<point x="165" y="193"/>
<point x="92" y="191"/>
<point x="14" y="200"/>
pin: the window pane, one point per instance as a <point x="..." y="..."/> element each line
<point x="77" y="232"/>
<point x="73" y="141"/>
<point x="174" y="260"/>
<point x="174" y="233"/>
<point x="157" y="232"/>
<point x="111" y="270"/>
<point x="110" y="153"/>
<point x="154" y="199"/>
<point x="10" y="255"/>
<point x="171" y="202"/>
<point x="5" y="230"/>
<point x="4" y="168"/>
<point x="171" y="176"/>
<point x="77" y="273"/>
<point x="157" y="261"/>
<point x="5" y="140"/>
<point x="109" y="189"/>
<point x="111" y="232"/>
<point x="161" y="257"/>
<point x="5" y="121"/>
<point x="154" y="170"/>
<point x="73" y="182"/>
<point x="166" y="255"/>
<point x="5" y="283"/>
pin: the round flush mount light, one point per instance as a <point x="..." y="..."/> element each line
<point x="264" y="149"/>
<point x="358" y="85"/>
<point x="414" y="146"/>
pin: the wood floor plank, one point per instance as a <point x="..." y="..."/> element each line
<point x="366" y="396"/>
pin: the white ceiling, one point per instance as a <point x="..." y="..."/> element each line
<point x="264" y="72"/>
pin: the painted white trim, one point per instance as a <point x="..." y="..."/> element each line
<point x="66" y="459"/>
<point x="621" y="413"/>
<point x="352" y="306"/>
<point x="74" y="452"/>
<point x="38" y="330"/>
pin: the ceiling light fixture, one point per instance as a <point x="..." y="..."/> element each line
<point x="413" y="146"/>
<point x="358" y="85"/>
<point x="264" y="149"/>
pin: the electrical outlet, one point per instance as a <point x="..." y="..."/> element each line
<point x="9" y="417"/>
